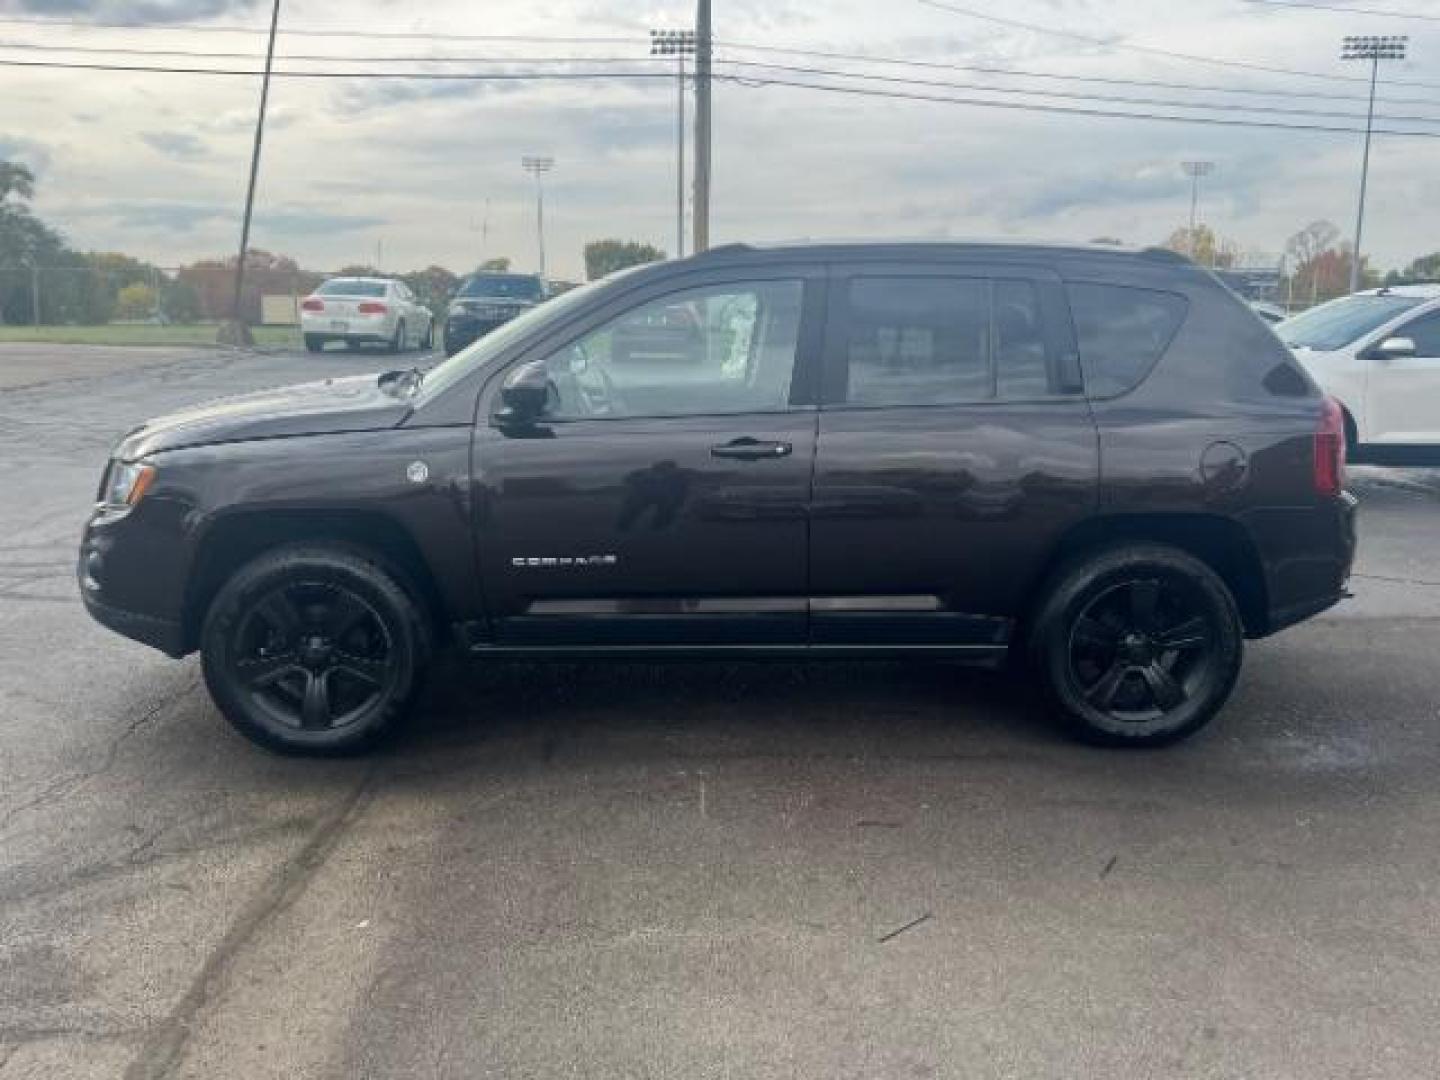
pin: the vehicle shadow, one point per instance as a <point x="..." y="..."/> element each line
<point x="749" y="708"/>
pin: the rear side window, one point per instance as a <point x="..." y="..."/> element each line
<point x="919" y="341"/>
<point x="1122" y="332"/>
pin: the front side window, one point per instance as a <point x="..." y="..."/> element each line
<point x="1122" y="332"/>
<point x="1425" y="332"/>
<point x="713" y="350"/>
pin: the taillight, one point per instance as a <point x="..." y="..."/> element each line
<point x="372" y="307"/>
<point x="1330" y="449"/>
<point x="313" y="305"/>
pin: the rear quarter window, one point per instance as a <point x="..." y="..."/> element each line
<point x="1121" y="332"/>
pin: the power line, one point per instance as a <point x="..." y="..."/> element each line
<point x="441" y="76"/>
<point x="792" y="69"/>
<point x="1115" y="43"/>
<point x="385" y="35"/>
<point x="1065" y="110"/>
<point x="1071" y="95"/>
<point x="1348" y="10"/>
<point x="432" y="76"/>
<point x="1022" y="73"/>
<point x="116" y="50"/>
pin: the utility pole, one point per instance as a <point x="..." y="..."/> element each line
<point x="703" y="54"/>
<point x="241" y="333"/>
<point x="679" y="44"/>
<point x="1373" y="49"/>
<point x="34" y="290"/>
<point x="537" y="167"/>
<point x="1195" y="170"/>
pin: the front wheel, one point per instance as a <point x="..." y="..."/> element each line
<point x="1138" y="645"/>
<point x="313" y="649"/>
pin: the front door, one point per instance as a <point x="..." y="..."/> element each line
<point x="662" y="499"/>
<point x="955" y="449"/>
<point x="1404" y="391"/>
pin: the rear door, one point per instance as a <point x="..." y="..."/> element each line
<point x="955" y="447"/>
<point x="1404" y="391"/>
<point x="663" y="500"/>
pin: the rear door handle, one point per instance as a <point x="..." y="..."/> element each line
<point x="749" y="449"/>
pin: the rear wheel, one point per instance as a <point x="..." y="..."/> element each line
<point x="397" y="342"/>
<point x="1138" y="645"/>
<point x="314" y="343"/>
<point x="313" y="649"/>
<point x="429" y="340"/>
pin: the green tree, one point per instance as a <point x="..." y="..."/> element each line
<point x="135" y="301"/>
<point x="500" y="264"/>
<point x="607" y="256"/>
<point x="17" y="180"/>
<point x="432" y="286"/>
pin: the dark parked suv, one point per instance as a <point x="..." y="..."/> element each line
<point x="1098" y="461"/>
<point x="485" y="301"/>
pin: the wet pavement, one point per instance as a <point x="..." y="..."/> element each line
<point x="768" y="870"/>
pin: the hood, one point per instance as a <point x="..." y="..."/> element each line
<point x="355" y="403"/>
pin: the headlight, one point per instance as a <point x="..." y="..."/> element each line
<point x="127" y="483"/>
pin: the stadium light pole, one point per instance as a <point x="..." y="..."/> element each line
<point x="1195" y="170"/>
<point x="241" y="334"/>
<point x="1373" y="49"/>
<point x="704" y="49"/>
<point x="679" y="44"/>
<point x="537" y="167"/>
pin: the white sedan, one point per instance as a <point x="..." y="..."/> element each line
<point x="1378" y="353"/>
<point x="366" y="310"/>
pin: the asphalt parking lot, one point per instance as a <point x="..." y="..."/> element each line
<point x="700" y="871"/>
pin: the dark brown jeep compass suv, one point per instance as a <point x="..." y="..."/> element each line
<point x="1098" y="461"/>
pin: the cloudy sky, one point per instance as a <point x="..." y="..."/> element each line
<point x="426" y="171"/>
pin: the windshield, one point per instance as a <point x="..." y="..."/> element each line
<point x="1340" y="322"/>
<point x="351" y="287"/>
<point x="513" y="286"/>
<point x="446" y="374"/>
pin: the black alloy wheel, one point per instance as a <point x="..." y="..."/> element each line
<point x="313" y="650"/>
<point x="1139" y="645"/>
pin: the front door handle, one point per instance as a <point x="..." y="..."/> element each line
<point x="748" y="449"/>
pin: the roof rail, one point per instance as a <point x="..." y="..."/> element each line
<point x="1162" y="254"/>
<point x="725" y="249"/>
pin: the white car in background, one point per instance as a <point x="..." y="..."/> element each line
<point x="1377" y="352"/>
<point x="366" y="311"/>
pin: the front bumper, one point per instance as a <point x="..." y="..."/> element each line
<point x="162" y="634"/>
<point x="131" y="574"/>
<point x="462" y="330"/>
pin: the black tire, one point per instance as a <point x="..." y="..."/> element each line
<point x="314" y="649"/>
<point x="397" y="342"/>
<point x="1099" y="645"/>
<point x="314" y="343"/>
<point x="429" y="340"/>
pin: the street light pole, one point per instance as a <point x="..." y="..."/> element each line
<point x="1373" y="49"/>
<point x="241" y="334"/>
<point x="536" y="167"/>
<point x="1195" y="170"/>
<point x="679" y="44"/>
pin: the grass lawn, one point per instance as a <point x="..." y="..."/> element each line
<point x="141" y="334"/>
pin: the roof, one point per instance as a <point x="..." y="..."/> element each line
<point x="840" y="247"/>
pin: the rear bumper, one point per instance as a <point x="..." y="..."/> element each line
<point x="1308" y="556"/>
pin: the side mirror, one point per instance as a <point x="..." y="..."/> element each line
<point x="524" y="395"/>
<point x="1394" y="348"/>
